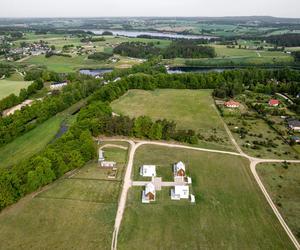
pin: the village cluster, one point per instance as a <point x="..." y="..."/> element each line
<point x="180" y="185"/>
<point x="293" y="124"/>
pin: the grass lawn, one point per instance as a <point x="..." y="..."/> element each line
<point x="190" y="109"/>
<point x="283" y="184"/>
<point x="230" y="210"/>
<point x="73" y="213"/>
<point x="8" y="87"/>
<point x="29" y="143"/>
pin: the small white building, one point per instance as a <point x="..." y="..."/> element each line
<point x="180" y="192"/>
<point x="149" y="193"/>
<point x="101" y="156"/>
<point x="192" y="198"/>
<point x="58" y="85"/>
<point x="148" y="171"/>
<point x="179" y="169"/>
<point x="108" y="164"/>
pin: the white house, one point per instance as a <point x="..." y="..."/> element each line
<point x="149" y="193"/>
<point x="101" y="155"/>
<point x="108" y="164"/>
<point x="58" y="85"/>
<point x="180" y="192"/>
<point x="148" y="171"/>
<point x="179" y="169"/>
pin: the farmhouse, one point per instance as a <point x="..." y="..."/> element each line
<point x="294" y="124"/>
<point x="148" y="171"/>
<point x="179" y="169"/>
<point x="108" y="164"/>
<point x="149" y="193"/>
<point x="180" y="192"/>
<point x="58" y="85"/>
<point x="273" y="103"/>
<point x="231" y="104"/>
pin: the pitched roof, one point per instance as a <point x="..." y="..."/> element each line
<point x="273" y="102"/>
<point x="232" y="103"/>
<point x="179" y="165"/>
<point x="294" y="123"/>
<point x="150" y="188"/>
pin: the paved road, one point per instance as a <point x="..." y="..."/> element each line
<point x="253" y="162"/>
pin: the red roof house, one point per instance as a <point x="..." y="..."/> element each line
<point x="232" y="104"/>
<point x="273" y="102"/>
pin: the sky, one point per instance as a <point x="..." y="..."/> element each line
<point x="101" y="8"/>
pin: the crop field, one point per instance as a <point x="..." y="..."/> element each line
<point x="190" y="109"/>
<point x="283" y="184"/>
<point x="230" y="210"/>
<point x="8" y="87"/>
<point x="75" y="212"/>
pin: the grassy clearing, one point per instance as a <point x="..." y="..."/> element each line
<point x="73" y="213"/>
<point x="190" y="109"/>
<point x="283" y="184"/>
<point x="35" y="140"/>
<point x="30" y="143"/>
<point x="8" y="87"/>
<point x="230" y="211"/>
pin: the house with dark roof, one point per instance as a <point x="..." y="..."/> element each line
<point x="294" y="124"/>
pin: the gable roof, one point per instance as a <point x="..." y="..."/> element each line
<point x="149" y="188"/>
<point x="231" y="103"/>
<point x="294" y="123"/>
<point x="179" y="165"/>
<point x="273" y="102"/>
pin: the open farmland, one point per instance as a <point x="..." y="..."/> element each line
<point x="77" y="211"/>
<point x="283" y="184"/>
<point x="230" y="211"/>
<point x="190" y="109"/>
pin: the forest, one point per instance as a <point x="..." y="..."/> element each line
<point x="179" y="48"/>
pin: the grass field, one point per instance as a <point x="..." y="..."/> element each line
<point x="72" y="213"/>
<point x="8" y="87"/>
<point x="230" y="211"/>
<point x="190" y="109"/>
<point x="227" y="56"/>
<point x="29" y="143"/>
<point x="283" y="184"/>
<point x="35" y="140"/>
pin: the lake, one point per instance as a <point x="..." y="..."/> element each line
<point x="130" y="33"/>
<point x="94" y="72"/>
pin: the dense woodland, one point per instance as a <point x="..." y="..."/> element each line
<point x="287" y="40"/>
<point x="100" y="56"/>
<point x="180" y="48"/>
